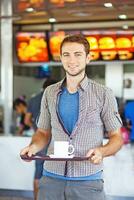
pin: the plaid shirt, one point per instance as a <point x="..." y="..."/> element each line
<point x="98" y="114"/>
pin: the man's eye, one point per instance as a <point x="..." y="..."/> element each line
<point x="66" y="55"/>
<point x="78" y="54"/>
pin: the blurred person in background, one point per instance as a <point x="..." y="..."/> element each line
<point x="77" y="110"/>
<point x="31" y="118"/>
<point x="20" y="106"/>
<point x="129" y="118"/>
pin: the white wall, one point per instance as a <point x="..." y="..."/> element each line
<point x="114" y="77"/>
<point x="128" y="93"/>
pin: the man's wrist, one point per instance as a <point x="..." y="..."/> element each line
<point x="102" y="150"/>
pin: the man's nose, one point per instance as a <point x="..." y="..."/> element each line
<point x="72" y="59"/>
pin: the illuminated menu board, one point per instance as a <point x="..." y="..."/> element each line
<point x="111" y="45"/>
<point x="31" y="47"/>
<point x="104" y="45"/>
<point x="55" y="39"/>
<point x="22" y="5"/>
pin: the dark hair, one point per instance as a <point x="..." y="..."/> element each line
<point x="48" y="82"/>
<point x="78" y="39"/>
<point x="17" y="102"/>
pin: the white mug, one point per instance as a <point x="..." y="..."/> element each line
<point x="63" y="149"/>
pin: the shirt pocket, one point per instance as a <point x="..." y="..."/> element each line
<point x="93" y="116"/>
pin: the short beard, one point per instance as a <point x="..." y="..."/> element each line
<point x="80" y="72"/>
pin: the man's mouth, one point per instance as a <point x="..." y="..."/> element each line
<point x="72" y="67"/>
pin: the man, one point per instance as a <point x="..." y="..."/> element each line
<point x="31" y="119"/>
<point x="77" y="110"/>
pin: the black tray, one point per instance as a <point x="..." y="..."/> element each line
<point x="75" y="158"/>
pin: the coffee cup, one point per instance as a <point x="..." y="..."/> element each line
<point x="63" y="149"/>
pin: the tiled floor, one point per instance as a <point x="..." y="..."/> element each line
<point x="24" y="198"/>
<point x="119" y="198"/>
<point x="14" y="198"/>
<point x="28" y="198"/>
<point x="16" y="195"/>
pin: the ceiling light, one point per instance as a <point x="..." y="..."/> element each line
<point x="108" y="5"/>
<point x="125" y="26"/>
<point x="29" y="9"/>
<point x="122" y="16"/>
<point x="52" y="20"/>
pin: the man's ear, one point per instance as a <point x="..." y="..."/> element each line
<point x="88" y="58"/>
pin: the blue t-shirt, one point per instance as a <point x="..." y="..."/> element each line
<point x="97" y="176"/>
<point x="68" y="109"/>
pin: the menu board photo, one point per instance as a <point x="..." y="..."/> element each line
<point x="104" y="45"/>
<point x="110" y="45"/>
<point x="31" y="47"/>
<point x="55" y="39"/>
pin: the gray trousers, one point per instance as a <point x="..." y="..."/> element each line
<point x="57" y="189"/>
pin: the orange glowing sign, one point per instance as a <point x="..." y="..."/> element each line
<point x="103" y="46"/>
<point x="31" y="47"/>
<point x="110" y="45"/>
<point x="23" y="5"/>
<point x="54" y="43"/>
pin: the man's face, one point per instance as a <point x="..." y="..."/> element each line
<point x="74" y="58"/>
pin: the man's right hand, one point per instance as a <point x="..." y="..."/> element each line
<point x="39" y="141"/>
<point x="30" y="150"/>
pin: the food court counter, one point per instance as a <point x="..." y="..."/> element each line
<point x="14" y="172"/>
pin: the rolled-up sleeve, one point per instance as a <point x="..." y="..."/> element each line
<point x="44" y="121"/>
<point x="110" y="115"/>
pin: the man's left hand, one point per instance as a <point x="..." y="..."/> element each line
<point x="95" y="155"/>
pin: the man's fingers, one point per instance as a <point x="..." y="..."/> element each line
<point x="90" y="153"/>
<point x="94" y="156"/>
<point x="27" y="151"/>
<point x="24" y="151"/>
<point x="30" y="153"/>
<point x="96" y="159"/>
